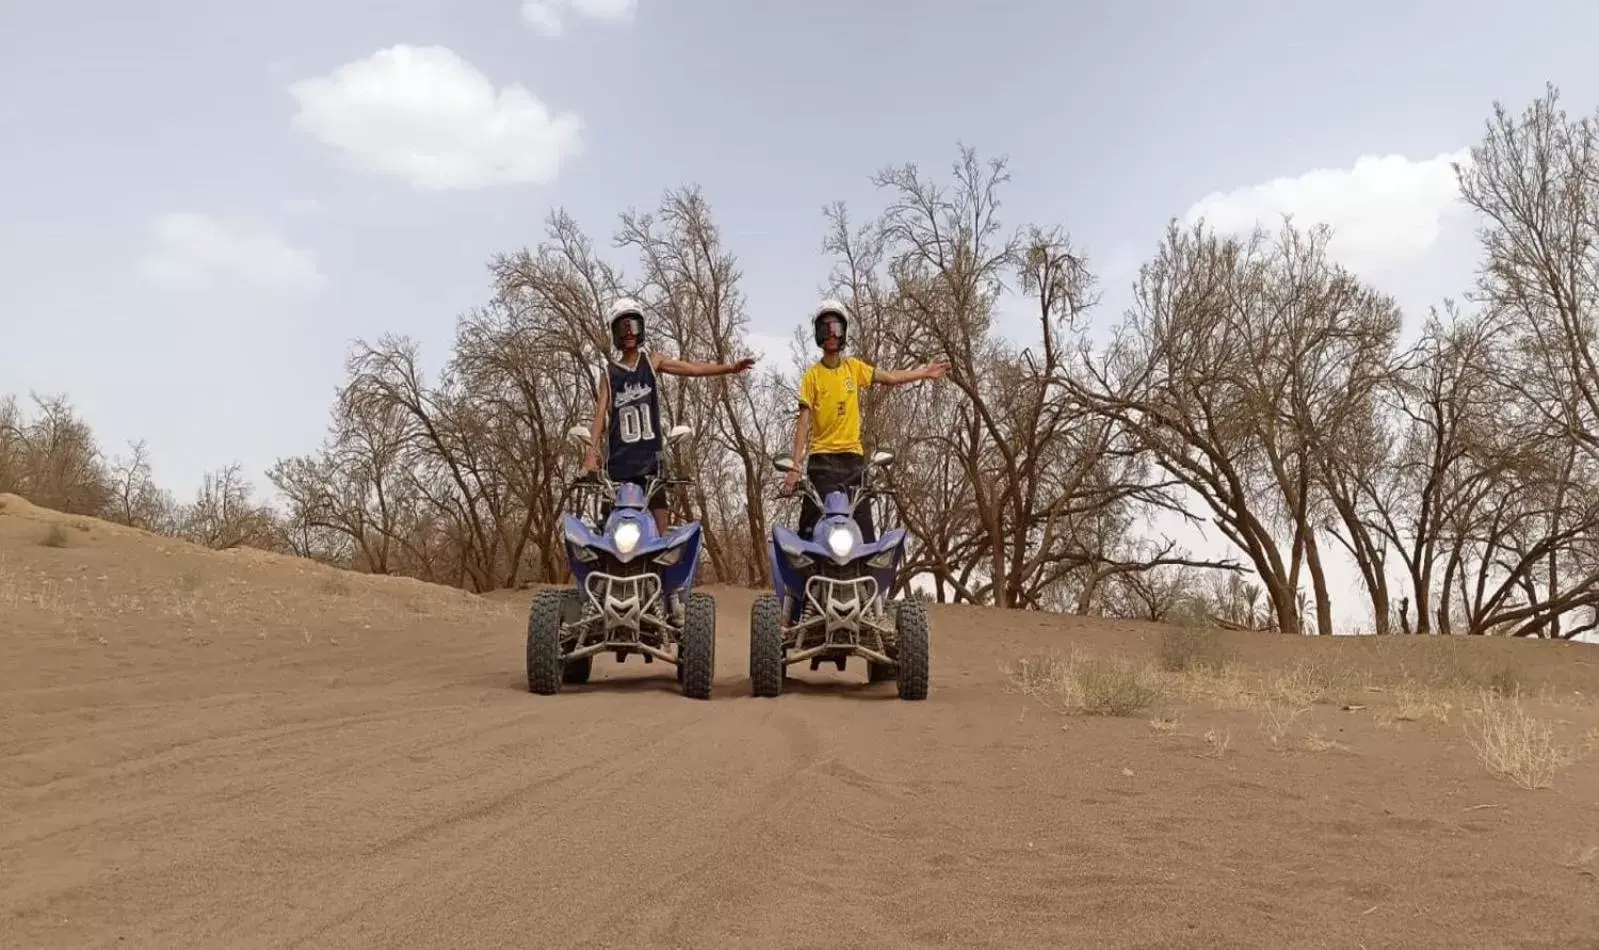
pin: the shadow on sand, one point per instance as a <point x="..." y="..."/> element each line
<point x="830" y="688"/>
<point x="663" y="680"/>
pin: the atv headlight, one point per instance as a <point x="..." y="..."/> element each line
<point x="627" y="535"/>
<point x="881" y="560"/>
<point x="669" y="557"/>
<point x="840" y="541"/>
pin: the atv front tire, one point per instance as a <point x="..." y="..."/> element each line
<point x="696" y="651"/>
<point x="911" y="628"/>
<point x="766" y="647"/>
<point x="544" y="668"/>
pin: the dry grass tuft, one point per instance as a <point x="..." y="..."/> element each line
<point x="1165" y="725"/>
<point x="1411" y="701"/>
<point x="1317" y="740"/>
<point x="334" y="586"/>
<point x="1191" y="647"/>
<point x="1268" y="689"/>
<point x="1278" y="720"/>
<point x="1441" y="665"/>
<point x="1091" y="686"/>
<point x="56" y="537"/>
<point x="1401" y="680"/>
<point x="1514" y="744"/>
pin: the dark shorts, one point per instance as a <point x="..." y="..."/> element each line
<point x="656" y="501"/>
<point x="832" y="471"/>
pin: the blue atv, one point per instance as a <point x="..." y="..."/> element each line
<point x="632" y="592"/>
<point x="831" y="599"/>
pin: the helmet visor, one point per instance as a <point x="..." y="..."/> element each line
<point x="830" y="324"/>
<point x="628" y="323"/>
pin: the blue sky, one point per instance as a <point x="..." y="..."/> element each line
<point x="203" y="202"/>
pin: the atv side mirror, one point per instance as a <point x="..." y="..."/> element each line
<point x="784" y="464"/>
<point x="579" y="435"/>
<point x="678" y="433"/>
<point x="881" y="458"/>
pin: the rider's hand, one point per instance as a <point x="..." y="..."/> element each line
<point x="743" y="364"/>
<point x="791" y="482"/>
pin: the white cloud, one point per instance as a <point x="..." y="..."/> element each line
<point x="192" y="250"/>
<point x="1384" y="211"/>
<point x="428" y="117"/>
<point x="549" y="16"/>
<point x="770" y="350"/>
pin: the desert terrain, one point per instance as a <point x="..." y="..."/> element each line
<point x="237" y="749"/>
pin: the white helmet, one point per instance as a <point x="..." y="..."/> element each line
<point x="833" y="308"/>
<point x="621" y="308"/>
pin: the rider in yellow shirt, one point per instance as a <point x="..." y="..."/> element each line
<point x="830" y="414"/>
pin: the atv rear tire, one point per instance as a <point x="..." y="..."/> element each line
<point x="544" y="668"/>
<point x="696" y="651"/>
<point x="766" y="647"/>
<point x="911" y="627"/>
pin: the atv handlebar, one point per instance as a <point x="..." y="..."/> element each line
<point x="859" y="492"/>
<point x="599" y="487"/>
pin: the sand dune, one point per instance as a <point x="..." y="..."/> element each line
<point x="235" y="749"/>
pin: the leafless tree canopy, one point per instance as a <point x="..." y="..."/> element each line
<point x="1254" y="384"/>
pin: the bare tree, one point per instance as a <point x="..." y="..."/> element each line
<point x="135" y="499"/>
<point x="224" y="514"/>
<point x="1240" y="367"/>
<point x="52" y="459"/>
<point x="1535" y="181"/>
<point x="1032" y="496"/>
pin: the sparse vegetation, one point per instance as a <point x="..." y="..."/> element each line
<point x="1515" y="744"/>
<point x="1090" y="686"/>
<point x="1393" y="683"/>
<point x="1191" y="647"/>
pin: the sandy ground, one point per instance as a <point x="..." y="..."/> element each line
<point x="206" y="749"/>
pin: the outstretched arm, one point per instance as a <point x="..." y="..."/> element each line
<point x="899" y="377"/>
<point x="802" y="430"/>
<point x="673" y="367"/>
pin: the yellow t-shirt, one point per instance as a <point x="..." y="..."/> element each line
<point x="834" y="397"/>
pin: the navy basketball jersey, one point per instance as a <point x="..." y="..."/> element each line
<point x="633" y="432"/>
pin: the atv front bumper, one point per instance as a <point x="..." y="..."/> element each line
<point x="840" y="618"/>
<point x="624" y="615"/>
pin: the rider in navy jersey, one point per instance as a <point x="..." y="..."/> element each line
<point x="628" y="412"/>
